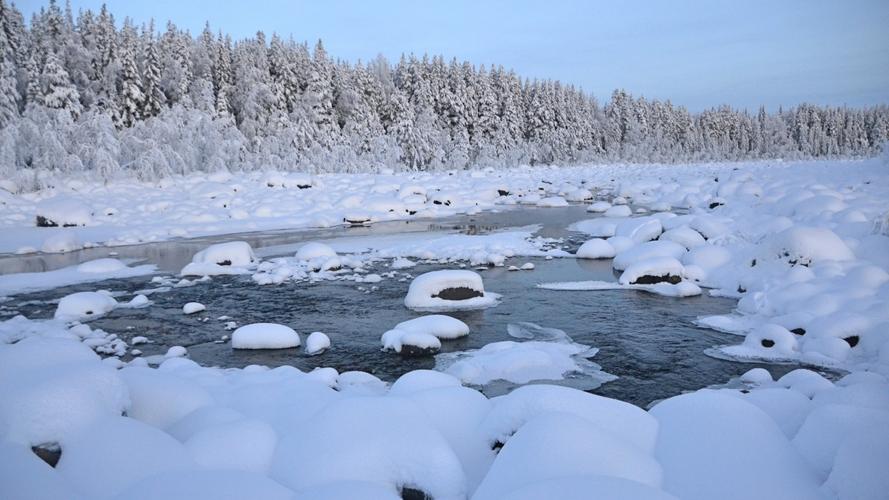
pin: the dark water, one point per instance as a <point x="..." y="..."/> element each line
<point x="647" y="340"/>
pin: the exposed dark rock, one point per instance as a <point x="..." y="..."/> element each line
<point x="741" y="289"/>
<point x="503" y="192"/>
<point x="411" y="351"/>
<point x="458" y="293"/>
<point x="497" y="446"/>
<point x="304" y="186"/>
<point x="799" y="331"/>
<point x="852" y="340"/>
<point x="753" y="263"/>
<point x="716" y="204"/>
<point x="224" y="263"/>
<point x="49" y="453"/>
<point x="408" y="493"/>
<point x="44" y="222"/>
<point x="356" y="222"/>
<point x="767" y="343"/>
<point x="651" y="280"/>
<point x="412" y="212"/>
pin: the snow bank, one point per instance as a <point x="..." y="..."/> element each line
<point x="63" y="211"/>
<point x="448" y="290"/>
<point x="88" y="272"/>
<point x="264" y="336"/>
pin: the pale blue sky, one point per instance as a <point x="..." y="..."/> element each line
<point x="696" y="53"/>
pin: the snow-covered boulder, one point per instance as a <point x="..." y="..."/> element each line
<point x="618" y="211"/>
<point x="193" y="307"/>
<point x="63" y="211"/>
<point x="422" y="336"/>
<point x="264" y="336"/>
<point x="448" y="290"/>
<point x="769" y="341"/>
<point x="232" y="257"/>
<point x="640" y="229"/>
<point x="685" y="236"/>
<point x="314" y="250"/>
<point x="653" y="271"/>
<point x="598" y="207"/>
<point x="556" y="445"/>
<point x="646" y="251"/>
<point x="595" y="248"/>
<point x="805" y="245"/>
<point x="317" y="343"/>
<point x="83" y="306"/>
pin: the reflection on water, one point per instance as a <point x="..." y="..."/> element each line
<point x="647" y="340"/>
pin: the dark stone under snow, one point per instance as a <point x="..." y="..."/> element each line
<point x="458" y="293"/>
<point x="648" y="279"/>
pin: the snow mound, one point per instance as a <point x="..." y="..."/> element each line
<point x="555" y="445"/>
<point x="51" y="389"/>
<point x="640" y="229"/>
<point x="317" y="343"/>
<point x="84" y="306"/>
<point x="410" y="343"/>
<point x="63" y="211"/>
<point x="806" y="245"/>
<point x="215" y="484"/>
<point x="706" y="438"/>
<point x="193" y="307"/>
<point x="314" y="250"/>
<point x="442" y="326"/>
<point x="647" y="250"/>
<point x="93" y="464"/>
<point x="448" y="290"/>
<point x="768" y="342"/>
<point x="653" y="271"/>
<point x="391" y="444"/>
<point x="264" y="336"/>
<point x="232" y="257"/>
<point x="596" y="248"/>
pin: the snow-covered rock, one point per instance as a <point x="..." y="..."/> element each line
<point x="193" y="307"/>
<point x="232" y="257"/>
<point x="317" y="343"/>
<point x="63" y="211"/>
<point x="595" y="248"/>
<point x="264" y="336"/>
<point x="448" y="290"/>
<point x="84" y="306"/>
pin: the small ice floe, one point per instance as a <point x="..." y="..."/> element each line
<point x="449" y="290"/>
<point x="595" y="248"/>
<point x="193" y="307"/>
<point x="545" y="354"/>
<point x="84" y="306"/>
<point x="317" y="343"/>
<point x="233" y="257"/>
<point x="552" y="202"/>
<point x="422" y="336"/>
<point x="87" y="272"/>
<point x="402" y="263"/>
<point x="264" y="336"/>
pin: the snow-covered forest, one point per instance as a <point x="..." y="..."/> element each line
<point x="88" y="94"/>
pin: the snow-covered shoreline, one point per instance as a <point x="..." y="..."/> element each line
<point x="800" y="245"/>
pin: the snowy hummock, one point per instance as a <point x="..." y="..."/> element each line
<point x="317" y="343"/>
<point x="193" y="307"/>
<point x="233" y="257"/>
<point x="63" y="211"/>
<point x="83" y="306"/>
<point x="448" y="290"/>
<point x="423" y="335"/>
<point x="264" y="336"/>
<point x="595" y="248"/>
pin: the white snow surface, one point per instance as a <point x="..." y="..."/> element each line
<point x="182" y="430"/>
<point x="264" y="336"/>
<point x="422" y="295"/>
<point x="87" y="272"/>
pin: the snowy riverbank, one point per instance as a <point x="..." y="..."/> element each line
<point x="803" y="247"/>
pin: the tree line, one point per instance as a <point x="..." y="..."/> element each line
<point x="82" y="94"/>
